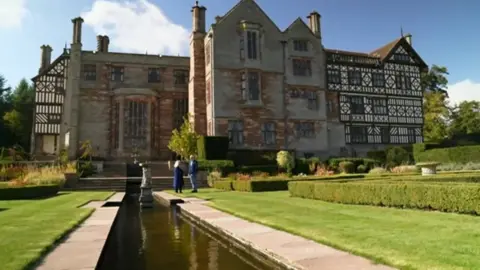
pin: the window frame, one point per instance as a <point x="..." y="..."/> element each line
<point x="302" y="67"/>
<point x="117" y="73"/>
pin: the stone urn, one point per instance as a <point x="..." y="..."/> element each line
<point x="71" y="180"/>
<point x="428" y="168"/>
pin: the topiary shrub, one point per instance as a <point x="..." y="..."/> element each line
<point x="286" y="161"/>
<point x="346" y="167"/>
<point x="361" y="169"/>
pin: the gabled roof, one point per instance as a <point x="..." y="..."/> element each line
<point x="241" y="2"/>
<point x="299" y="21"/>
<point x="383" y="53"/>
<point x="51" y="66"/>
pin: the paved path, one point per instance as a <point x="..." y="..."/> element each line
<point x="82" y="248"/>
<point x="290" y="250"/>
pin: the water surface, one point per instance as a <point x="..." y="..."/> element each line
<point x="158" y="238"/>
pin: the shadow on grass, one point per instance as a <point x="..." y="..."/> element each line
<point x="3" y="209"/>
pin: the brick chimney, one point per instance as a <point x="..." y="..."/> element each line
<point x="46" y="57"/>
<point x="314" y="23"/>
<point x="106" y="42"/>
<point x="197" y="107"/>
<point x="77" y="30"/>
<point x="99" y="43"/>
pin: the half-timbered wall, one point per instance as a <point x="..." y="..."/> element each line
<point x="49" y="98"/>
<point x="380" y="103"/>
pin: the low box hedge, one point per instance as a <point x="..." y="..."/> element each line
<point x="262" y="185"/>
<point x="457" y="197"/>
<point x="223" y="184"/>
<point x="27" y="192"/>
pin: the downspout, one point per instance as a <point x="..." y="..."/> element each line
<point x="212" y="80"/>
<point x="284" y="95"/>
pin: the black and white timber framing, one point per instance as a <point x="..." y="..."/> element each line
<point x="50" y="86"/>
<point x="380" y="97"/>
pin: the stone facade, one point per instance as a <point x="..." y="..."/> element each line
<point x="247" y="79"/>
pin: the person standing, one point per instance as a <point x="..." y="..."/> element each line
<point x="177" y="177"/>
<point x="192" y="171"/>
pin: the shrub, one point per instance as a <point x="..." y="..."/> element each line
<point x="335" y="162"/>
<point x="27" y="192"/>
<point x="302" y="165"/>
<point x="286" y="161"/>
<point x="212" y="147"/>
<point x="361" y="169"/>
<point x="459" y="154"/>
<point x="223" y="166"/>
<point x="247" y="157"/>
<point x="461" y="198"/>
<point x="405" y="169"/>
<point x="378" y="170"/>
<point x="212" y="177"/>
<point x="224" y="185"/>
<point x="378" y="155"/>
<point x="397" y="156"/>
<point x="260" y="175"/>
<point x="347" y="167"/>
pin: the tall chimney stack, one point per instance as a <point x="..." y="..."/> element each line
<point x="314" y="23"/>
<point x="46" y="57"/>
<point x="198" y="18"/>
<point x="77" y="30"/>
<point x="99" y="43"/>
<point x="106" y="42"/>
<point x="408" y="38"/>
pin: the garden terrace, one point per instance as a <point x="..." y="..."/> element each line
<point x="30" y="228"/>
<point x="404" y="238"/>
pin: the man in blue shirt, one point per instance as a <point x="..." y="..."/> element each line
<point x="192" y="171"/>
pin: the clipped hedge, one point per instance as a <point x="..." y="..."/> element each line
<point x="282" y="184"/>
<point x="27" y="192"/>
<point x="212" y="147"/>
<point x="223" y="184"/>
<point x="458" y="197"/>
<point x="460" y="154"/>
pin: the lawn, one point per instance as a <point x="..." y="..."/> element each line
<point x="30" y="227"/>
<point x="407" y="239"/>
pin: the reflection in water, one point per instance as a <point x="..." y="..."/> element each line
<point x="151" y="239"/>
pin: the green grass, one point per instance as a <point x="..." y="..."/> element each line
<point x="407" y="239"/>
<point x="30" y="228"/>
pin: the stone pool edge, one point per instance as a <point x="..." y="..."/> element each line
<point x="83" y="248"/>
<point x="292" y="252"/>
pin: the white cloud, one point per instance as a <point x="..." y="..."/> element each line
<point x="464" y="90"/>
<point x="137" y="27"/>
<point x="12" y="13"/>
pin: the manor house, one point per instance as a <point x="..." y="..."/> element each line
<point x="263" y="87"/>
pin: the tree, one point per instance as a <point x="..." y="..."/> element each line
<point x="435" y="109"/>
<point x="6" y="139"/>
<point x="436" y="115"/>
<point x="184" y="141"/>
<point x="465" y="118"/>
<point x="19" y="118"/>
<point x="435" y="80"/>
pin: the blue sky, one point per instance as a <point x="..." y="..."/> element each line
<point x="443" y="32"/>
